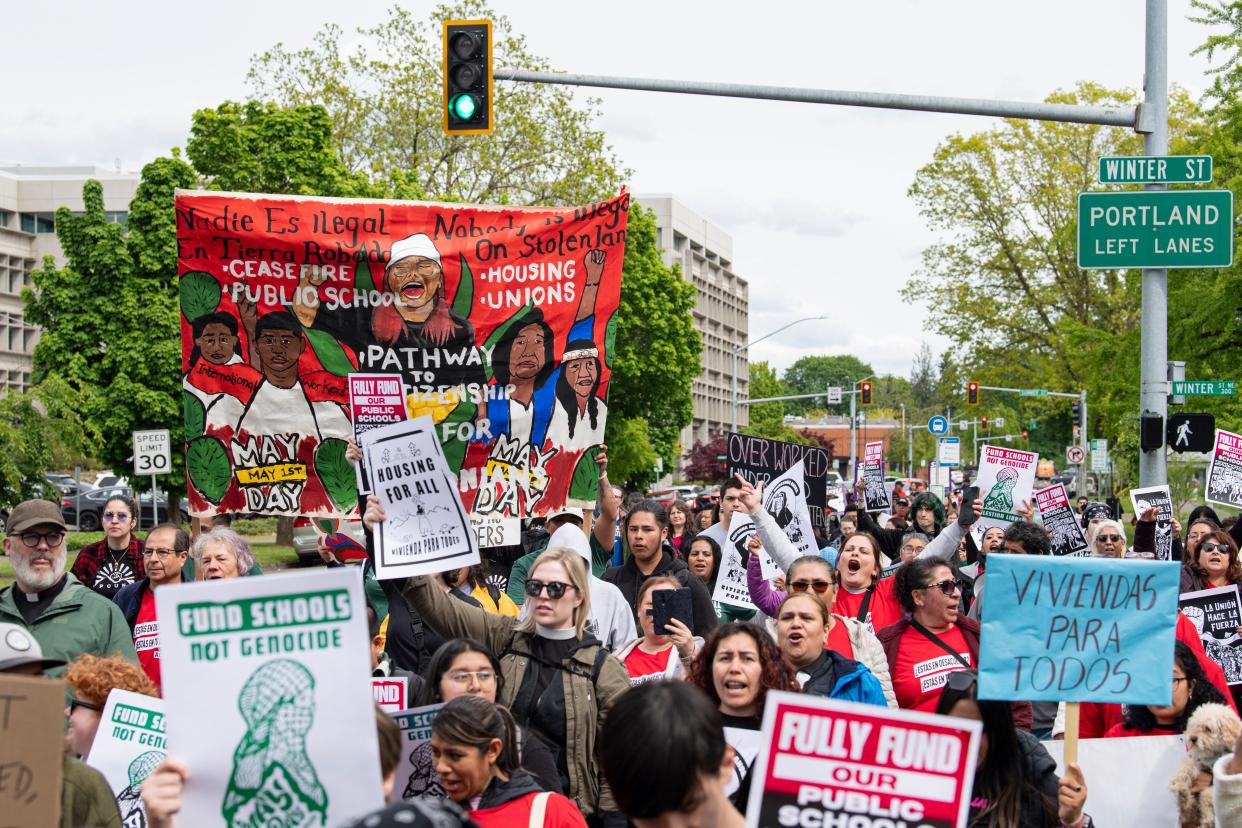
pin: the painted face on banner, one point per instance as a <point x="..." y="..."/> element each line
<point x="217" y="344"/>
<point x="415" y="281"/>
<point x="526" y="358"/>
<point x="279" y="350"/>
<point x="582" y="374"/>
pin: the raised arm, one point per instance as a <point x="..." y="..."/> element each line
<point x="605" y="526"/>
<point x="762" y="595"/>
<point x="944" y="546"/>
<point x="772" y="536"/>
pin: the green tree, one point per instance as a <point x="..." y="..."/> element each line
<point x="382" y="88"/>
<point x="40" y="429"/>
<point x="813" y="373"/>
<point x="656" y="357"/>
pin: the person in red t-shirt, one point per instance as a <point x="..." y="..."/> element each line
<point x="656" y="657"/>
<point x="1191" y="689"/>
<point x="163" y="555"/>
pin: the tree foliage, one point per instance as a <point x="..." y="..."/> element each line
<point x="705" y="461"/>
<point x="40" y="429"/>
<point x="657" y="353"/>
<point x="382" y="88"/>
<point x="813" y="373"/>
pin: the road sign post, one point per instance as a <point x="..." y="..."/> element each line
<point x="1155" y="229"/>
<point x="152" y="455"/>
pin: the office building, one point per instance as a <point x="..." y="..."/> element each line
<point x="705" y="253"/>
<point x="29" y="198"/>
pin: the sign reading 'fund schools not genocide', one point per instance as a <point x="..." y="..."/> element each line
<point x="1079" y="629"/>
<point x="1173" y="228"/>
<point x="500" y="322"/>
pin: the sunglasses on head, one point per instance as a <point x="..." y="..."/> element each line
<point x="802" y="586"/>
<point x="1208" y="546"/>
<point x="948" y="586"/>
<point x="555" y="588"/>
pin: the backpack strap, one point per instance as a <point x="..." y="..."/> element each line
<point x="538" y="808"/>
<point x="601" y="655"/>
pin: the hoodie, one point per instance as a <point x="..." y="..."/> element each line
<point x="511" y="803"/>
<point x="629" y="579"/>
<point x="610" y="619"/>
<point x="834" y="676"/>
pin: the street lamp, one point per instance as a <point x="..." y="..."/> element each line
<point x="741" y="348"/>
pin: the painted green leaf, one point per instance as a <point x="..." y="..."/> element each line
<point x="209" y="467"/>
<point x="329" y="352"/>
<point x="200" y="294"/>
<point x="336" y="473"/>
<point x="490" y="343"/>
<point x="610" y="339"/>
<point x="195" y="415"/>
<point x="464" y="298"/>
<point x="363" y="280"/>
<point x="584" y="484"/>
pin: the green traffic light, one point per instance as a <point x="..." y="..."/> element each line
<point x="463" y="107"/>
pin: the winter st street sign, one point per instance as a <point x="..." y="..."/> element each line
<point x="1155" y="229"/>
<point x="1203" y="388"/>
<point x="1166" y="169"/>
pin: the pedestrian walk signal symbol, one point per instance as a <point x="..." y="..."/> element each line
<point x="864" y="396"/>
<point x="1191" y="432"/>
<point x="972" y="393"/>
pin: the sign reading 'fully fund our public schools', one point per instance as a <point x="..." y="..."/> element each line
<point x="1156" y="229"/>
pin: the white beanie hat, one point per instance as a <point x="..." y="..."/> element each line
<point x="569" y="536"/>
<point x="418" y="244"/>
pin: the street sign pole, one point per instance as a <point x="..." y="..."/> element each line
<point x="1153" y="385"/>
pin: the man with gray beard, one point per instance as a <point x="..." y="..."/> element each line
<point x="63" y="615"/>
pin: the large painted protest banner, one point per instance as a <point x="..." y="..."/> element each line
<point x="1006" y="480"/>
<point x="828" y="762"/>
<point x="128" y="745"/>
<point x="500" y="321"/>
<point x="1078" y="629"/>
<point x="760" y="460"/>
<point x="282" y="662"/>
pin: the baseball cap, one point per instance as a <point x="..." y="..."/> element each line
<point x="18" y="648"/>
<point x="31" y="513"/>
<point x="902" y="501"/>
<point x="573" y="514"/>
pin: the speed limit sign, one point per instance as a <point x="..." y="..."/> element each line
<point x="152" y="452"/>
<point x="1075" y="455"/>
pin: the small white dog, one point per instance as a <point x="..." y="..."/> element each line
<point x="1210" y="734"/>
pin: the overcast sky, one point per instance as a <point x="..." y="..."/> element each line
<point x="814" y="196"/>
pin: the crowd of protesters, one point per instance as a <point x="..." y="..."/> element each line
<point x="567" y="704"/>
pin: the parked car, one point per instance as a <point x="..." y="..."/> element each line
<point x="85" y="511"/>
<point x="108" y="480"/>
<point x="306" y="537"/>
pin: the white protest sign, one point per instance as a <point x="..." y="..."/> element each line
<point x="128" y="745"/>
<point x="1224" y="477"/>
<point x="1128" y="778"/>
<point x="390" y="693"/>
<point x="265" y="680"/>
<point x="731" y="586"/>
<point x="1217" y="615"/>
<point x="416" y="775"/>
<point x="493" y="530"/>
<point x="1159" y="498"/>
<point x="1006" y="479"/>
<point x="785" y="500"/>
<point x="876" y="493"/>
<point x="426" y="529"/>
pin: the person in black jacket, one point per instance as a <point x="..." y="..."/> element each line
<point x="1016" y="783"/>
<point x="645" y="531"/>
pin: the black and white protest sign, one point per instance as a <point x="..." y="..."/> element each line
<point x="1217" y="615"/>
<point x="875" y="492"/>
<point x="1224" y="478"/>
<point x="426" y="528"/>
<point x="760" y="460"/>
<point x="1059" y="519"/>
<point x="1157" y="497"/>
<point x="785" y="500"/>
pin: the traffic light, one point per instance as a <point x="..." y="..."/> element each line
<point x="467" y="77"/>
<point x="1076" y="411"/>
<point x="1025" y="434"/>
<point x="972" y="393"/>
<point x="983" y="422"/>
<point x="865" y="394"/>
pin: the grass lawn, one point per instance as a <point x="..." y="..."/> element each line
<point x="270" y="556"/>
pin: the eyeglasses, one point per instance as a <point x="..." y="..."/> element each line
<point x="555" y="589"/>
<point x="75" y="703"/>
<point x="962" y="680"/>
<point x="158" y="553"/>
<point x="32" y="539"/>
<point x="1108" y="538"/>
<point x="947" y="586"/>
<point x="801" y="586"/>
<point x="1208" y="546"/>
<point x="913" y="547"/>
<point x="463" y="677"/>
<point x="120" y="517"/>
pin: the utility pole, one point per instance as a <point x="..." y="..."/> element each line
<point x="1154" y="122"/>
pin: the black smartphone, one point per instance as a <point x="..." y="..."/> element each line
<point x="667" y="604"/>
<point x="969" y="495"/>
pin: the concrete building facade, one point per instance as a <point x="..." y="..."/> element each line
<point x="29" y="198"/>
<point x="721" y="311"/>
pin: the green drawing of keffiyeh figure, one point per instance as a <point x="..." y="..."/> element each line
<point x="274" y="783"/>
<point x="1000" y="499"/>
<point x="129" y="801"/>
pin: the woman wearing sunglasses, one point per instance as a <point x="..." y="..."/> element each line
<point x="1107" y="539"/>
<point x="934" y="640"/>
<point x="802" y="624"/>
<point x="655" y="657"/>
<point x="91" y="679"/>
<point x="846" y="636"/>
<point x="558" y="681"/>
<point x="1016" y="784"/>
<point x="116" y="561"/>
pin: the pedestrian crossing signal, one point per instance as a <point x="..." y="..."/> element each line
<point x="972" y="393"/>
<point x="467" y="73"/>
<point x="865" y="394"/>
